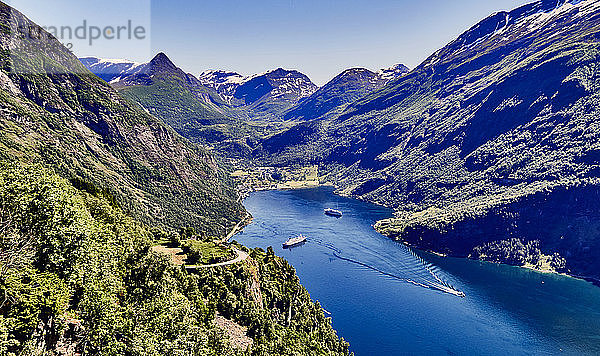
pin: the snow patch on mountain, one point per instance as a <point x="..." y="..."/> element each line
<point x="503" y="27"/>
<point x="220" y="77"/>
<point x="284" y="83"/>
<point x="393" y="72"/>
<point x="540" y="19"/>
<point x="224" y="82"/>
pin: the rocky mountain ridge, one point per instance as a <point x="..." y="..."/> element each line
<point x="345" y="88"/>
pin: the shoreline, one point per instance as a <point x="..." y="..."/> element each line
<point x="591" y="280"/>
<point x="283" y="187"/>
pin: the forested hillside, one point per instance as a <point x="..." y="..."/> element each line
<point x="53" y="110"/>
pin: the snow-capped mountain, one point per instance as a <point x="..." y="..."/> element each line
<point x="224" y="82"/>
<point x="276" y="83"/>
<point x="123" y="72"/>
<point x="240" y="90"/>
<point x="112" y="70"/>
<point x="269" y="95"/>
<point x="161" y="88"/>
<point x="264" y="95"/>
<point x="159" y="67"/>
<point x="261" y="96"/>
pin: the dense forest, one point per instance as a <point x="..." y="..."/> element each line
<point x="78" y="275"/>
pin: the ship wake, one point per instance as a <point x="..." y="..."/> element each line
<point x="418" y="272"/>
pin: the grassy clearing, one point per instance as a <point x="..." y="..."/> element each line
<point x="200" y="252"/>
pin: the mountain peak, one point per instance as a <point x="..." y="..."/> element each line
<point x="280" y="72"/>
<point x="398" y="67"/>
<point x="160" y="56"/>
<point x="355" y="70"/>
<point x="161" y="61"/>
<point x="352" y="74"/>
<point x="223" y="81"/>
<point x="215" y="78"/>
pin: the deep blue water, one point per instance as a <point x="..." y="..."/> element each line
<point x="506" y="311"/>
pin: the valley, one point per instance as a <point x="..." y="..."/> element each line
<point x="140" y="204"/>
<point x="501" y="117"/>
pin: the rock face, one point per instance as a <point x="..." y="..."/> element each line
<point x="504" y="113"/>
<point x="55" y="111"/>
<point x="237" y="334"/>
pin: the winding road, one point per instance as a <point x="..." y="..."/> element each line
<point x="241" y="255"/>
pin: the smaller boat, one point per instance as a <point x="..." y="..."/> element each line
<point x="333" y="212"/>
<point x="295" y="241"/>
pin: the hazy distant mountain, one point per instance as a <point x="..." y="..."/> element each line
<point x="112" y="69"/>
<point x="345" y="88"/>
<point x="494" y="136"/>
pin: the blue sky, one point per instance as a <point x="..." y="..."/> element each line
<point x="318" y="37"/>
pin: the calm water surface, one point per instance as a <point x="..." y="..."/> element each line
<point x="507" y="310"/>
